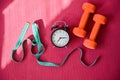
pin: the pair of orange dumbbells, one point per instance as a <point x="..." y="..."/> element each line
<point x="99" y="20"/>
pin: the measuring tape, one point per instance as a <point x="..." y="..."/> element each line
<point x="41" y="49"/>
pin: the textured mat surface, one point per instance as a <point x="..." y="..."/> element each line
<point x="14" y="14"/>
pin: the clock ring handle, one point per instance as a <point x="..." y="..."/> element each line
<point x="55" y="26"/>
<point x="56" y="23"/>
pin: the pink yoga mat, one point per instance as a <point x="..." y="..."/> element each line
<point x="15" y="13"/>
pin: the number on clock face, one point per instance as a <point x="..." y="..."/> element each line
<point x="60" y="38"/>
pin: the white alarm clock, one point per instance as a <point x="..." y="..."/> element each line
<point x="60" y="37"/>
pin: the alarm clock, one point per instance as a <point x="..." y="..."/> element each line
<point x="60" y="36"/>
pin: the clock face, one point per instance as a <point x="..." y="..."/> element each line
<point x="60" y="38"/>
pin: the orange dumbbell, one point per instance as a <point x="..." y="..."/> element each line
<point x="90" y="43"/>
<point x="88" y="8"/>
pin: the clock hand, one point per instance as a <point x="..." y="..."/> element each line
<point x="63" y="37"/>
<point x="59" y="39"/>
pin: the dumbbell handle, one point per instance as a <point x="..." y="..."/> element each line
<point x="95" y="31"/>
<point x="84" y="19"/>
